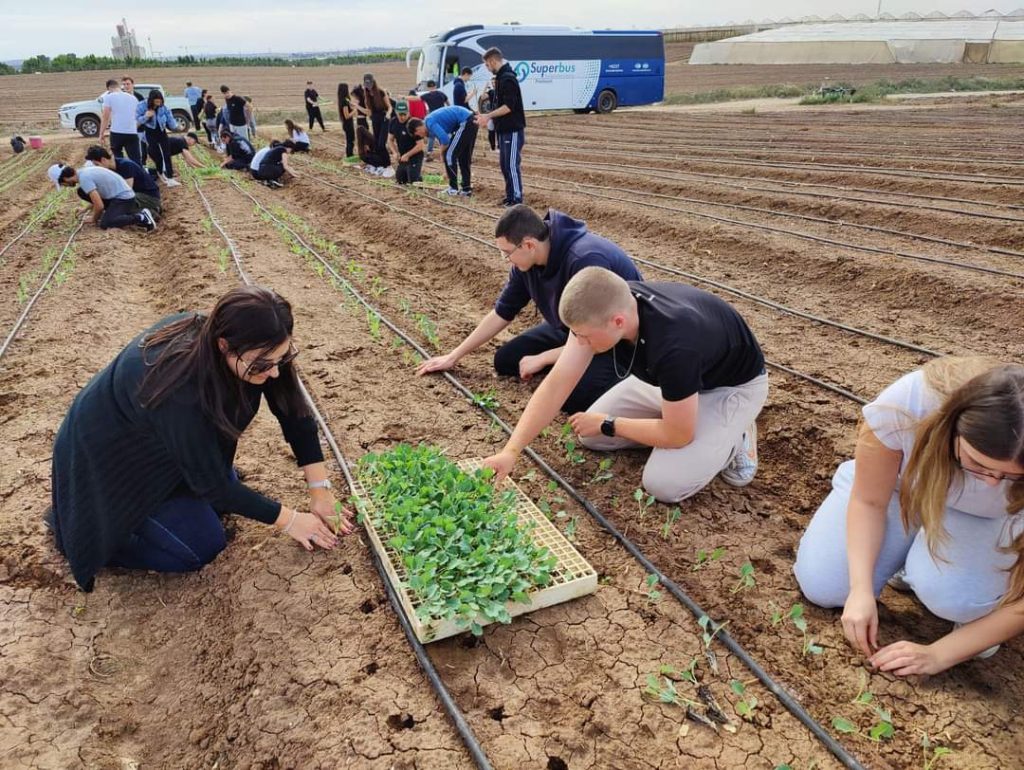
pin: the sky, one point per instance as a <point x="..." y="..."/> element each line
<point x="281" y="26"/>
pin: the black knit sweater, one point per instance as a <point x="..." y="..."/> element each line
<point x="115" y="462"/>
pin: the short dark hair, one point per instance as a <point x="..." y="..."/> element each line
<point x="129" y="78"/>
<point x="97" y="152"/>
<point x="288" y="143"/>
<point x="274" y="143"/>
<point x="413" y="124"/>
<point x="111" y="83"/>
<point x="226" y="132"/>
<point x="224" y="89"/>
<point x="431" y="84"/>
<point x="67" y="172"/>
<point x="193" y="135"/>
<point x="493" y="53"/>
<point x="188" y="82"/>
<point x="467" y="70"/>
<point x="521" y="222"/>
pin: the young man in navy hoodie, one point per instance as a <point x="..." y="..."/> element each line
<point x="545" y="254"/>
<point x="509" y="123"/>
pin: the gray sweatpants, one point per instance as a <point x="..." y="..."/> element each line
<point x="964" y="585"/>
<point x="723" y="414"/>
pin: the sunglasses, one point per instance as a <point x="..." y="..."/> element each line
<point x="262" y="366"/>
<point x="975" y="470"/>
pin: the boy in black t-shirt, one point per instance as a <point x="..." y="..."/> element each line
<point x="313" y="106"/>
<point x="239" y="150"/>
<point x="406" y="147"/>
<point x="238" y="114"/>
<point x="692" y="382"/>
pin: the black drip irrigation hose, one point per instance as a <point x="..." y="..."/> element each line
<point x="787" y="214"/>
<point x="42" y="287"/>
<point x="727" y="288"/>
<point x="426" y="664"/>
<point x="31" y="224"/>
<point x="790" y="703"/>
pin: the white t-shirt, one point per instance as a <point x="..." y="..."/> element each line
<point x="122" y="112"/>
<point x="893" y="418"/>
<point x="257" y="159"/>
<point x="300" y="136"/>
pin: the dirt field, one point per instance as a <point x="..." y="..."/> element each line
<point x="903" y="224"/>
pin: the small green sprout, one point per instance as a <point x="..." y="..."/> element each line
<point x="653" y="594"/>
<point x="568" y="441"/>
<point x="932" y="753"/>
<point x="604" y="472"/>
<point x="706" y="557"/>
<point x="671" y="517"/>
<point x="746" y="578"/>
<point x="643" y="502"/>
<point x="487" y="400"/>
<point x="709" y="629"/>
<point x="373" y="321"/>
<point x="747" y="703"/>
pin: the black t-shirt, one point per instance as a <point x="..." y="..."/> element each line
<point x="177" y="145"/>
<point x="403" y="138"/>
<point x="435" y="99"/>
<point x="236" y="110"/>
<point x="143" y="181"/>
<point x="273" y="156"/>
<point x="209" y="110"/>
<point x="240" y="149"/>
<point x="508" y="94"/>
<point x="690" y="341"/>
<point x="312" y="94"/>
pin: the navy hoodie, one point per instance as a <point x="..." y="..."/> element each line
<point x="573" y="248"/>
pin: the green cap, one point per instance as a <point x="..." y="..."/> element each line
<point x="402" y="107"/>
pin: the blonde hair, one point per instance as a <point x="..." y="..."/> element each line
<point x="982" y="402"/>
<point x="593" y="296"/>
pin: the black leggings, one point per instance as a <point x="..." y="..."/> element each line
<point x="376" y="158"/>
<point x="301" y="147"/>
<point x="119" y="213"/>
<point x="160" y="151"/>
<point x="350" y="138"/>
<point x="269" y="172"/>
<point x="380" y="131"/>
<point x="126" y="144"/>
<point x="596" y="381"/>
<point x="315" y="117"/>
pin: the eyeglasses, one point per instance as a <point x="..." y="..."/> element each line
<point x="262" y="366"/>
<point x="975" y="470"/>
<point x="508" y="254"/>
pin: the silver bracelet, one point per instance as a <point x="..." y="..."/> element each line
<point x="291" y="521"/>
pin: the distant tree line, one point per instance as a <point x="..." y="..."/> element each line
<point x="69" y="62"/>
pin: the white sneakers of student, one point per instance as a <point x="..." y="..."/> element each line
<point x="370" y="169"/>
<point x="743" y="466"/>
<point x="451" y="191"/>
<point x="171" y="182"/>
<point x="148" y="221"/>
<point x="387" y="173"/>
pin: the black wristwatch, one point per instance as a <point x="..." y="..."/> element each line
<point x="608" y="426"/>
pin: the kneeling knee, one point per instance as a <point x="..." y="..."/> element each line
<point x="672" y="490"/>
<point x="506" y="362"/>
<point x="819" y="585"/>
<point x="210" y="549"/>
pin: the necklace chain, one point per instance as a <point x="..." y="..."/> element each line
<point x="615" y="362"/>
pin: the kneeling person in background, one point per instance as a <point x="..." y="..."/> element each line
<point x="239" y="149"/>
<point x="143" y="183"/>
<point x="113" y="202"/>
<point x="693" y="382"/>
<point x="298" y="136"/>
<point x="375" y="161"/>
<point x="270" y="164"/>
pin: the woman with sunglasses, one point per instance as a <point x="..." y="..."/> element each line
<point x="932" y="504"/>
<point x="142" y="463"/>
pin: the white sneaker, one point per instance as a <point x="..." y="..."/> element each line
<point x="387" y="173"/>
<point x="451" y="191"/>
<point x="148" y="221"/>
<point x="984" y="654"/>
<point x="743" y="466"/>
<point x="172" y="182"/>
<point x="370" y="169"/>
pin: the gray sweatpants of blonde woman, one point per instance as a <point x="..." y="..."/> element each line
<point x="723" y="414"/>
<point x="964" y="584"/>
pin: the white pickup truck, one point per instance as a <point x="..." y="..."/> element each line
<point x="86" y="116"/>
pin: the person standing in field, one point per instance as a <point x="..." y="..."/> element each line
<point x="210" y="119"/>
<point x="544" y="254"/>
<point x="454" y="128"/>
<point x="143" y="460"/>
<point x="509" y="123"/>
<point x="359" y="105"/>
<point x="691" y="374"/>
<point x="237" y="112"/>
<point x="153" y="116"/>
<point x="194" y="95"/>
<point x="119" y="117"/>
<point x="460" y="96"/>
<point x="250" y="112"/>
<point x="931" y="504"/>
<point x="313" y="106"/>
<point x="378" y="106"/>
<point x="346" y="113"/>
<point x="434" y="100"/>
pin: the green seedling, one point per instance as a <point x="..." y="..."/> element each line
<point x="604" y="472"/>
<point x="207" y="224"/>
<point x="404" y="306"/>
<point x="377" y="286"/>
<point x="881" y="730"/>
<point x="932" y="754"/>
<point x="457" y="538"/>
<point x="354" y="269"/>
<point x="704" y="558"/>
<point x="653" y="594"/>
<point x="487" y="400"/>
<point x="671" y="517"/>
<point x="568" y="441"/>
<point x="709" y="629"/>
<point x="570" y="530"/>
<point x="747" y="703"/>
<point x="746" y="578"/>
<point x="688" y="674"/>
<point x="224" y="259"/>
<point x="667" y="692"/>
<point x="795" y="615"/>
<point x="643" y="502"/>
<point x="373" y="321"/>
<point x="428" y="329"/>
<point x="335" y="520"/>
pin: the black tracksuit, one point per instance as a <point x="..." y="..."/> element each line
<point x="510" y="130"/>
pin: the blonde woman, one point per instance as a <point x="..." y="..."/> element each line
<point x="931" y="503"/>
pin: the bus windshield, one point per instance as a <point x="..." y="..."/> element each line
<point x="429" y="66"/>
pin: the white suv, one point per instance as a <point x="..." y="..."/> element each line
<point x="86" y="116"/>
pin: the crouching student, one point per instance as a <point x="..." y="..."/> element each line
<point x="299" y="137"/>
<point x="142" y="182"/>
<point x="142" y="463"/>
<point x="931" y="503"/>
<point x="270" y="164"/>
<point x="239" y="150"/>
<point x="544" y="255"/>
<point x="375" y="161"/>
<point x="113" y="202"/>
<point x="178" y="145"/>
<point x="407" y="148"/>
<point x="692" y="382"/>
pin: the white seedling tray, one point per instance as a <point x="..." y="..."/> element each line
<point x="571" y="578"/>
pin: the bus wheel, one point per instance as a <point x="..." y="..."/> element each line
<point x="607" y="101"/>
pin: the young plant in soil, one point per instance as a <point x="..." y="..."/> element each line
<point x="746" y="578"/>
<point x="464" y="552"/>
<point x="881" y="728"/>
<point x="932" y="753"/>
<point x="643" y="502"/>
<point x="653" y="594"/>
<point x="747" y="703"/>
<point x="671" y="517"/>
<point x="796" y="617"/>
<point x="373" y="322"/>
<point x="604" y="472"/>
<point x="704" y="557"/>
<point x="428" y="329"/>
<point x="487" y="400"/>
<point x="568" y="441"/>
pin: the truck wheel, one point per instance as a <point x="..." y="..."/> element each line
<point x="184" y="120"/>
<point x="607" y="101"/>
<point x="88" y="126"/>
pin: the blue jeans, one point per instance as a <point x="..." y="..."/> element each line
<point x="183" y="535"/>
